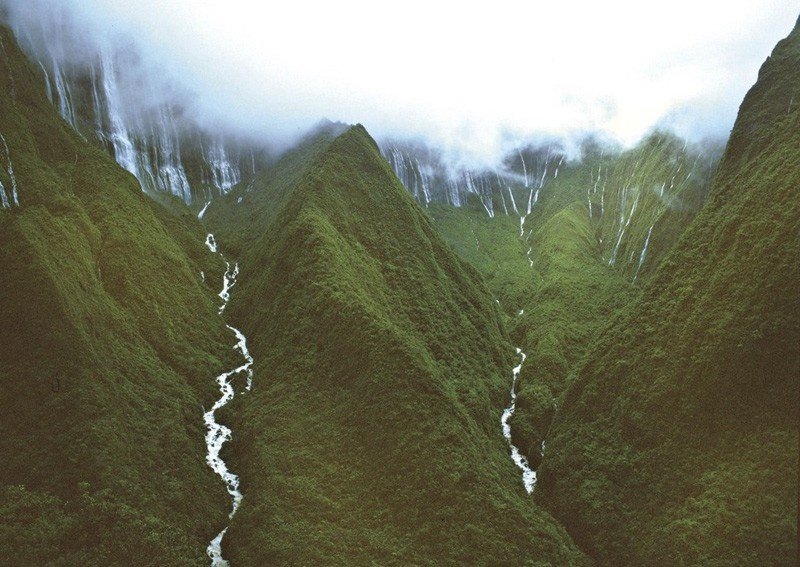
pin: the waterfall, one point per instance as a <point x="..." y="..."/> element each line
<point x="643" y="254"/>
<point x="223" y="174"/>
<point x="63" y="95"/>
<point x="623" y="226"/>
<point x="528" y="474"/>
<point x="10" y="171"/>
<point x="171" y="175"/>
<point x="524" y="168"/>
<point x="125" y="152"/>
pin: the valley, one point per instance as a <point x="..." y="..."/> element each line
<point x="217" y="433"/>
<point x="586" y="354"/>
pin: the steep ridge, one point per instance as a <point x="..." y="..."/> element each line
<point x="373" y="435"/>
<point x="563" y="259"/>
<point x="109" y="336"/>
<point x="551" y="272"/>
<point x="684" y="420"/>
<point x="241" y="218"/>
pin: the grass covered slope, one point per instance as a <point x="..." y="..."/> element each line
<point x="110" y="342"/>
<point x="372" y="433"/>
<point x="678" y="441"/>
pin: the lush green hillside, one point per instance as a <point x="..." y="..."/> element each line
<point x="641" y="200"/>
<point x="678" y="441"/>
<point x="553" y="284"/>
<point x="110" y="342"/>
<point x="372" y="434"/>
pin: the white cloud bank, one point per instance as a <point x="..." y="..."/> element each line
<point x="469" y="77"/>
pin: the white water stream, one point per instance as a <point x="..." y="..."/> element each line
<point x="528" y="474"/>
<point x="217" y="434"/>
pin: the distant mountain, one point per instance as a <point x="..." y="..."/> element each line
<point x="677" y="442"/>
<point x="561" y="261"/>
<point x="511" y="189"/>
<point x="641" y="200"/>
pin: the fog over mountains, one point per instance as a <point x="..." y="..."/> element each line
<point x="528" y="296"/>
<point x="474" y="83"/>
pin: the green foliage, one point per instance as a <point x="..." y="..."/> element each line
<point x="678" y="441"/>
<point x="646" y="196"/>
<point x="110" y="345"/>
<point x="91" y="529"/>
<point x="372" y="434"/>
<point x="555" y="298"/>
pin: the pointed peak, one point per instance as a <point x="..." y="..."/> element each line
<point x="360" y="134"/>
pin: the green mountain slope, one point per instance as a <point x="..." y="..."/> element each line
<point x="554" y="280"/>
<point x="372" y="433"/>
<point x="574" y="293"/>
<point x="110" y="342"/>
<point x="678" y="441"/>
<point x="641" y="200"/>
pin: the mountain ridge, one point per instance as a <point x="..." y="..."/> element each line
<point x="351" y="333"/>
<point x="694" y="377"/>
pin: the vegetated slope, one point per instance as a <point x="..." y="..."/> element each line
<point x="554" y="275"/>
<point x="552" y="283"/>
<point x="247" y="212"/>
<point x="678" y="441"/>
<point x="110" y="342"/>
<point x="371" y="435"/>
<point x="604" y="223"/>
<point x="641" y="200"/>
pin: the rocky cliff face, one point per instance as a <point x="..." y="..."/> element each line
<point x="104" y="92"/>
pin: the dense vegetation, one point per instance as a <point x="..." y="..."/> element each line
<point x="555" y="280"/>
<point x="110" y="341"/>
<point x="663" y="361"/>
<point x="372" y="432"/>
<point x="678" y="441"/>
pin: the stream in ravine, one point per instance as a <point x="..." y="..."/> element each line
<point x="217" y="434"/>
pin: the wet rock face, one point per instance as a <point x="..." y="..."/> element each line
<point x="511" y="188"/>
<point x="107" y="96"/>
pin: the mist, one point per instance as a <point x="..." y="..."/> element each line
<point x="474" y="82"/>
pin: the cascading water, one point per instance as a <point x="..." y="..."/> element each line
<point x="643" y="253"/>
<point x="104" y="94"/>
<point x="217" y="434"/>
<point x="524" y="168"/>
<point x="223" y="174"/>
<point x="171" y="174"/>
<point x="125" y="152"/>
<point x="528" y="474"/>
<point x="63" y="95"/>
<point x="10" y="170"/>
<point x="4" y="202"/>
<point x="623" y="224"/>
<point x="426" y="175"/>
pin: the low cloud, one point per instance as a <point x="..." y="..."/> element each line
<point x="473" y="81"/>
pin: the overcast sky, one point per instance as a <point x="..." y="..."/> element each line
<point x="472" y="78"/>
